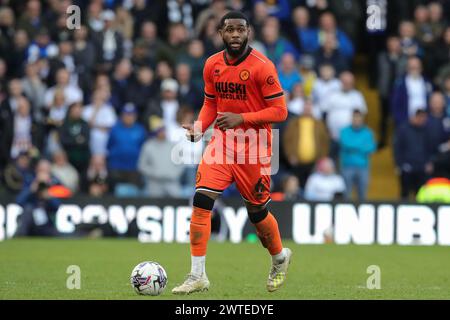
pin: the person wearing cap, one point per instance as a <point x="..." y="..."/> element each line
<point x="165" y="107"/>
<point x="124" y="144"/>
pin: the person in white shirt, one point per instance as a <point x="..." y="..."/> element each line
<point x="324" y="184"/>
<point x="72" y="93"/>
<point x="326" y="84"/>
<point x="101" y="118"/>
<point x="339" y="108"/>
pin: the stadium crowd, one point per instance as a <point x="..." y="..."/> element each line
<point x="98" y="109"/>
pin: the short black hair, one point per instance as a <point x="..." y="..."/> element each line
<point x="233" y="15"/>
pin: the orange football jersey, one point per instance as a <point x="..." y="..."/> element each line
<point x="248" y="86"/>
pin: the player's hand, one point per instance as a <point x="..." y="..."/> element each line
<point x="193" y="133"/>
<point x="229" y="120"/>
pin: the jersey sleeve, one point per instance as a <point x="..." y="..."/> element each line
<point x="275" y="109"/>
<point x="208" y="112"/>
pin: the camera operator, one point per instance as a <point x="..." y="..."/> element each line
<point x="39" y="207"/>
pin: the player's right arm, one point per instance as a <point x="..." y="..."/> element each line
<point x="208" y="112"/>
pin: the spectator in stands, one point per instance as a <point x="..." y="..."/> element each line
<point x="349" y="14"/>
<point x="42" y="47"/>
<point x="155" y="48"/>
<point x="424" y="33"/>
<point x="328" y="53"/>
<point x="120" y="82"/>
<point x="305" y="140"/>
<point x="408" y="40"/>
<point x="327" y="25"/>
<point x="410" y="92"/>
<point x="274" y="43"/>
<point x="62" y="170"/>
<point x="412" y="154"/>
<point x="165" y="107"/>
<point x="356" y="144"/>
<point x="163" y="71"/>
<point x="291" y="188"/>
<point x="195" y="58"/>
<point x="210" y="37"/>
<point x="18" y="174"/>
<point x="438" y="125"/>
<point x="440" y="58"/>
<point x="74" y="138"/>
<point x="188" y="93"/>
<point x="308" y="74"/>
<point x="15" y="92"/>
<point x="6" y="133"/>
<point x="297" y="102"/>
<point x="27" y="133"/>
<point x="176" y="42"/>
<point x="7" y="29"/>
<point x="216" y="10"/>
<point x="97" y="176"/>
<point x="339" y="108"/>
<point x="84" y="55"/>
<point x="288" y="72"/>
<point x="279" y="9"/>
<point x="34" y="89"/>
<point x="31" y="20"/>
<point x="109" y="44"/>
<point x="161" y="174"/>
<point x="72" y="93"/>
<point x="142" y="89"/>
<point x="324" y="184"/>
<point x="124" y="144"/>
<point x="307" y="36"/>
<point x="325" y="85"/>
<point x="64" y="59"/>
<point x="101" y="118"/>
<point x="3" y="80"/>
<point x="391" y="66"/>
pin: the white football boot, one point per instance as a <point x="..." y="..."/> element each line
<point x="192" y="284"/>
<point x="278" y="272"/>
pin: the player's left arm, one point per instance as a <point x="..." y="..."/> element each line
<point x="275" y="109"/>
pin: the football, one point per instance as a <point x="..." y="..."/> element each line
<point x="149" y="278"/>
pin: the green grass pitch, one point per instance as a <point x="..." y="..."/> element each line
<point x="36" y="269"/>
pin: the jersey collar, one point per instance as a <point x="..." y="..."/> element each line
<point x="238" y="61"/>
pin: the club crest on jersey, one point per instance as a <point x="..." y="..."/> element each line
<point x="270" y="80"/>
<point x="244" y="75"/>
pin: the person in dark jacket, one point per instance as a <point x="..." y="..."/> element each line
<point x="412" y="154"/>
<point x="74" y="137"/>
<point x="410" y="92"/>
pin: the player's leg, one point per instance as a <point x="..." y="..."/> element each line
<point x="255" y="189"/>
<point x="211" y="181"/>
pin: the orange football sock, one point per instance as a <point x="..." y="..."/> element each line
<point x="200" y="230"/>
<point x="269" y="234"/>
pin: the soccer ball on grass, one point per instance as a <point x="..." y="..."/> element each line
<point x="149" y="278"/>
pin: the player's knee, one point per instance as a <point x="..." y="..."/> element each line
<point x="203" y="201"/>
<point x="257" y="216"/>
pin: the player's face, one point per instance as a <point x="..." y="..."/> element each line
<point x="235" y="34"/>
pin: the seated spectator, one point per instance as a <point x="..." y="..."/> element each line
<point x="325" y="85"/>
<point x="410" y="92"/>
<point x="412" y="154"/>
<point x="97" y="176"/>
<point x="195" y="58"/>
<point x="162" y="175"/>
<point x="274" y="43"/>
<point x="305" y="140"/>
<point x="18" y="174"/>
<point x="124" y="144"/>
<point x="74" y="138"/>
<point x="291" y="188"/>
<point x="339" y="108"/>
<point x="101" y="118"/>
<point x="329" y="53"/>
<point x="288" y="73"/>
<point x="62" y="170"/>
<point x="327" y="25"/>
<point x="324" y="184"/>
<point x="356" y="144"/>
